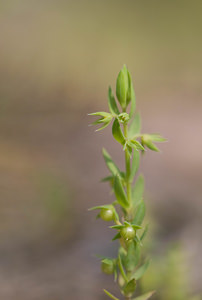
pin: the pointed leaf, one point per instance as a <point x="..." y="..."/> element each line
<point x="151" y="146"/>
<point x="135" y="144"/>
<point x="117" y="236"/>
<point x="104" y="126"/>
<point x="112" y="103"/>
<point x="135" y="226"/>
<point x="117" y="227"/>
<point x="135" y="126"/>
<point x="129" y="96"/>
<point x="101" y="113"/>
<point x="120" y="264"/>
<point x="110" y="295"/>
<point x="140" y="271"/>
<point x="101" y="206"/>
<point x="144" y="232"/>
<point x="110" y="163"/>
<point x="130" y="287"/>
<point x="140" y="213"/>
<point x="132" y="258"/>
<point x="120" y="193"/>
<point x="137" y="190"/>
<point x="107" y="178"/>
<point x="133" y="101"/>
<point x="145" y="296"/>
<point x="135" y="164"/>
<point x="157" y="137"/>
<point x="117" y="132"/>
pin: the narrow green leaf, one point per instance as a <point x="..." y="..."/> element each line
<point x="117" y="132"/>
<point x="121" y="268"/>
<point x="129" y="288"/>
<point x="117" y="227"/>
<point x="98" y="216"/>
<point x="120" y="193"/>
<point x="117" y="236"/>
<point x="140" y="271"/>
<point x="104" y="126"/>
<point x="129" y="96"/>
<point x="128" y="148"/>
<point x="137" y="239"/>
<point x="110" y="295"/>
<point x="137" y="190"/>
<point x="112" y="103"/>
<point x="133" y="101"/>
<point x="135" y="164"/>
<point x="135" y="226"/>
<point x="145" y="296"/>
<point x="133" y="255"/>
<point x="116" y="215"/>
<point x="135" y="126"/>
<point x="157" y="137"/>
<point x="151" y="146"/>
<point x="136" y="145"/>
<point x="110" y="163"/>
<point x="101" y="113"/>
<point x="101" y="206"/>
<point x="115" y="274"/>
<point x="140" y="213"/>
<point x="107" y="178"/>
<point x="144" y="232"/>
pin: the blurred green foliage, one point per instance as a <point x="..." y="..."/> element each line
<point x="169" y="275"/>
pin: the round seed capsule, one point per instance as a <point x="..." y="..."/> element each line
<point x="128" y="233"/>
<point x="107" y="214"/>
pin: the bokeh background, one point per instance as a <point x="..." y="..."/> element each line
<point x="57" y="58"/>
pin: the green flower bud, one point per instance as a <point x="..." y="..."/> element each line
<point x="122" y="86"/>
<point x="128" y="232"/>
<point x="107" y="214"/>
<point x="123" y="118"/>
<point x="147" y="140"/>
<point x="107" y="266"/>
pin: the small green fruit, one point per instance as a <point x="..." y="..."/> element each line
<point x="128" y="233"/>
<point x="107" y="214"/>
<point x="107" y="267"/>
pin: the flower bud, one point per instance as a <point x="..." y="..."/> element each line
<point x="122" y="86"/>
<point x="123" y="118"/>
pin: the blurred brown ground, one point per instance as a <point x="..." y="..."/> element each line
<point x="57" y="59"/>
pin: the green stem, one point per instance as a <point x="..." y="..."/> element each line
<point x="127" y="164"/>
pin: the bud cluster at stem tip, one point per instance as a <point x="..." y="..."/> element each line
<point x="124" y="88"/>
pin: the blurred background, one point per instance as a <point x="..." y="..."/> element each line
<point x="57" y="59"/>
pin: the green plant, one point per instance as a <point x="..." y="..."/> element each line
<point x="128" y="210"/>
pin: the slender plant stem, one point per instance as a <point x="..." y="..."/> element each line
<point x="128" y="171"/>
<point x="127" y="164"/>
